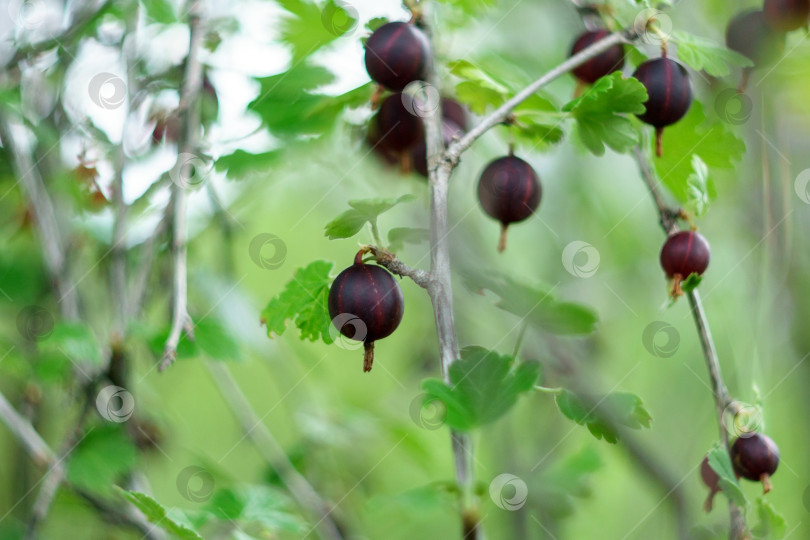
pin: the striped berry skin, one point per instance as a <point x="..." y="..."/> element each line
<point x="369" y="293"/>
<point x="509" y="191"/>
<point x="749" y="34"/>
<point x="668" y="89"/>
<point x="395" y="128"/>
<point x="685" y="253"/>
<point x="755" y="458"/>
<point x="669" y="94"/>
<point x="397" y="54"/>
<point x="786" y="15"/>
<point x="600" y="65"/>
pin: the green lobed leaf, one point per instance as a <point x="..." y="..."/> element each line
<point x="720" y="462"/>
<point x="304" y="301"/>
<point x="701" y="54"/>
<point x="771" y="525"/>
<point x="715" y="143"/>
<point x="290" y="107"/>
<point x="241" y="164"/>
<point x="260" y="509"/>
<point x="101" y="458"/>
<point x="536" y="305"/>
<point x="160" y="11"/>
<point x="484" y="386"/>
<point x="598" y="113"/>
<point x="624" y="408"/>
<point x="691" y="282"/>
<point x="364" y="211"/>
<point x="698" y="193"/>
<point x="399" y="236"/>
<point x="538" y="121"/>
<point x="158" y="514"/>
<point x="477" y="89"/>
<point x="76" y="341"/>
<point x="215" y="341"/>
<point x="308" y="26"/>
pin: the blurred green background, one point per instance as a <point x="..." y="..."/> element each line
<point x="357" y="437"/>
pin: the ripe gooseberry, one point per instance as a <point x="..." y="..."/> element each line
<point x="756" y="458"/>
<point x="669" y="95"/>
<point x="365" y="304"/>
<point x="683" y="254"/>
<point x="509" y="191"/>
<point x="600" y="65"/>
<point x="397" y="53"/>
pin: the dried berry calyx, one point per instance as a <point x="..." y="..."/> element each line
<point x="669" y="95"/>
<point x="683" y="254"/>
<point x="365" y="304"/>
<point x="509" y="190"/>
<point x="397" y="54"/>
<point x="755" y="457"/>
<point x="600" y="65"/>
<point x="712" y="480"/>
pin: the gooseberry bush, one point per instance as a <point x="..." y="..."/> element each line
<point x="370" y="157"/>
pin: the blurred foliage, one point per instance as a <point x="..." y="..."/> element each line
<point x="284" y="153"/>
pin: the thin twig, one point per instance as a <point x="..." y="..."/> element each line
<point x="394" y="265"/>
<point x="454" y="151"/>
<point x="50" y="233"/>
<point x="22" y="429"/>
<point x="190" y="111"/>
<point x="722" y="397"/>
<point x="303" y="492"/>
<point x="441" y="297"/>
<point x="76" y="28"/>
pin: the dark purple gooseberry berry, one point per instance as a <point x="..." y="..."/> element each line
<point x="600" y="65"/>
<point x="509" y="191"/>
<point x="711" y="479"/>
<point x="684" y="253"/>
<point x="455" y="112"/>
<point x="397" y="54"/>
<point x="370" y="302"/>
<point x="749" y="35"/>
<point x="756" y="458"/>
<point x="419" y="152"/>
<point x="786" y="15"/>
<point x="669" y="94"/>
<point x="396" y="128"/>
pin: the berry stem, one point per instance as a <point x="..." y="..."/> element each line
<point x="767" y="486"/>
<point x="368" y="355"/>
<point x="358" y="259"/>
<point x="502" y="239"/>
<point x="659" y="142"/>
